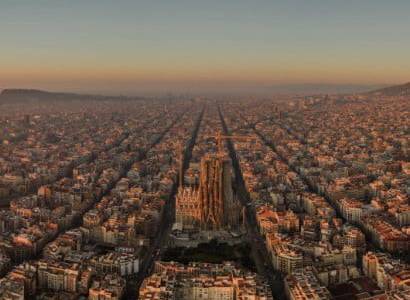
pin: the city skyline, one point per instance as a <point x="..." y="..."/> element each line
<point x="292" y="197"/>
<point x="204" y="150"/>
<point x="133" y="47"/>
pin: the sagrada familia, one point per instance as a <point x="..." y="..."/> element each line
<point x="210" y="205"/>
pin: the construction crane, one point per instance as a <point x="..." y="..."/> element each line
<point x="219" y="137"/>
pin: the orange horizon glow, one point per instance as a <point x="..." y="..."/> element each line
<point x="86" y="46"/>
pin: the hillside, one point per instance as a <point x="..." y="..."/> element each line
<point x="396" y="90"/>
<point x="25" y="95"/>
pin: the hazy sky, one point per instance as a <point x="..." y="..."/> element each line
<point x="127" y="46"/>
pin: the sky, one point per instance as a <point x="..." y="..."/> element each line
<point x="133" y="47"/>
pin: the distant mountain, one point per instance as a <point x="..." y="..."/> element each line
<point x="396" y="90"/>
<point x="27" y="95"/>
<point x="321" y="88"/>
